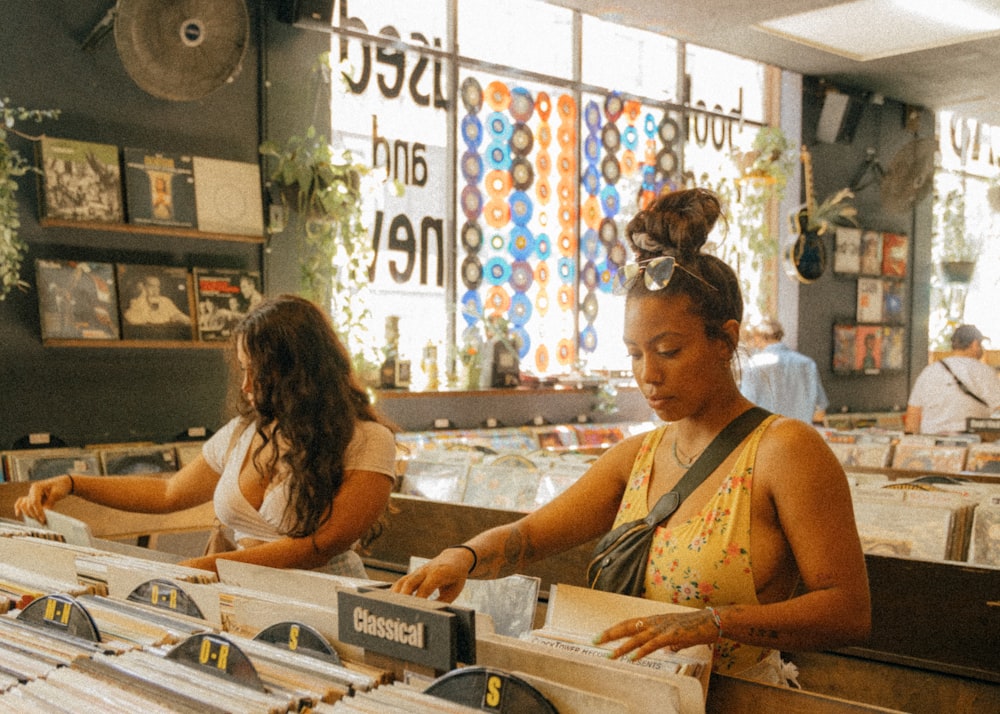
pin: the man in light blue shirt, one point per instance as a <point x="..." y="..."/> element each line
<point x="780" y="379"/>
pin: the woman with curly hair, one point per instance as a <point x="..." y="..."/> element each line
<point x="300" y="476"/>
<point x="765" y="550"/>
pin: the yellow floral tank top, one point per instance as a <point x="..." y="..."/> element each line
<point x="705" y="560"/>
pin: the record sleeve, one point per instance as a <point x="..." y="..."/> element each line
<point x="984" y="457"/>
<point x="893" y="347"/>
<point x="156" y="302"/>
<point x="893" y="301"/>
<point x="159" y="188"/>
<point x="846" y="251"/>
<point x="80" y="180"/>
<point x="844" y="337"/>
<point x="38" y="464"/>
<point x="895" y="255"/>
<point x="870" y="300"/>
<point x="870" y="254"/>
<point x="77" y="300"/>
<point x="868" y="348"/>
<point x="228" y="197"/>
<point x="128" y="460"/>
<point x="224" y="297"/>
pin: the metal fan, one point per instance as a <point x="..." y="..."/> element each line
<point x="182" y="50"/>
<point x="909" y="176"/>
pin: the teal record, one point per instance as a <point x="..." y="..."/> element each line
<point x="630" y="138"/>
<point x="497" y="271"/>
<point x="522" y="174"/>
<point x="610" y="201"/>
<point x="613" y="106"/>
<point x="591" y="148"/>
<point x="590" y="244"/>
<point x="522" y="341"/>
<point x="498" y="155"/>
<point x="649" y="126"/>
<point x="472" y="309"/>
<point x="472" y="95"/>
<point x="521" y="276"/>
<point x="521" y="139"/>
<point x="543" y="246"/>
<point x="521" y="208"/>
<point x="472" y="272"/>
<point x="566" y="267"/>
<point x="472" y="202"/>
<point x="472" y="131"/>
<point x="472" y="237"/>
<point x="522" y="243"/>
<point x="522" y="105"/>
<point x="591" y="180"/>
<point x="499" y="126"/>
<point x="588" y="275"/>
<point x="520" y="309"/>
<point x="588" y="339"/>
<point x="472" y="166"/>
<point x="592" y="116"/>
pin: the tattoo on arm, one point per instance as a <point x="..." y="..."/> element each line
<point x="516" y="550"/>
<point x="763" y="633"/>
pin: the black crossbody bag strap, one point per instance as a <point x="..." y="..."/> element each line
<point x="961" y="385"/>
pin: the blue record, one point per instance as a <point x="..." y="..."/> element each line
<point x="591" y="180"/>
<point x="592" y="116"/>
<point x="606" y="273"/>
<point x="590" y="244"/>
<point x="588" y="339"/>
<point x="648" y="177"/>
<point x="522" y="341"/>
<point x="472" y="131"/>
<point x="522" y="106"/>
<point x="472" y="166"/>
<point x="472" y="272"/>
<point x="499" y="126"/>
<point x="543" y="246"/>
<point x="610" y="201"/>
<point x="591" y="148"/>
<point x="521" y="208"/>
<point x="472" y="307"/>
<point x="520" y="309"/>
<point x="630" y="138"/>
<point x="498" y="155"/>
<point x="497" y="271"/>
<point x="522" y="243"/>
<point x="649" y="126"/>
<point x="566" y="268"/>
<point x="521" y="276"/>
<point x="472" y="95"/>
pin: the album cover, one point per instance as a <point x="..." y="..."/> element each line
<point x="893" y="301"/>
<point x="224" y="297"/>
<point x="126" y="460"/>
<point x="893" y="347"/>
<point x="159" y="188"/>
<point x="984" y="547"/>
<point x="921" y="457"/>
<point x="38" y="464"/>
<point x="846" y="251"/>
<point x="155" y="302"/>
<point x="79" y="180"/>
<point x="984" y="457"/>
<point x="77" y="300"/>
<point x="870" y="299"/>
<point x="895" y="255"/>
<point x="868" y="348"/>
<point x="870" y="253"/>
<point x="228" y="197"/>
<point x="844" y="338"/>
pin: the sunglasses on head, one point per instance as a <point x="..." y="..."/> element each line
<point x="655" y="272"/>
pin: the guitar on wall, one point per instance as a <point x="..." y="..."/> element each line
<point x="805" y="259"/>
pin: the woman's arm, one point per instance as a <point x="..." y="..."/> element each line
<point x="582" y="512"/>
<point x="361" y="499"/>
<point x="192" y="485"/>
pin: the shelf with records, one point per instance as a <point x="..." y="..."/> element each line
<point x="136" y="229"/>
<point x="97" y="304"/>
<point x="866" y="349"/>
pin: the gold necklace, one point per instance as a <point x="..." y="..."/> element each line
<point x="690" y="462"/>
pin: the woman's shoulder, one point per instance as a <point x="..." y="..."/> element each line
<point x="791" y="450"/>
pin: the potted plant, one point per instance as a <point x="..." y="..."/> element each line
<point x="13" y="165"/>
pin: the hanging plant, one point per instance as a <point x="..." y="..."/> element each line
<point x="13" y="165"/>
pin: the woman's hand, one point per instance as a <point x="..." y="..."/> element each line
<point x="43" y="495"/>
<point x="446" y="574"/>
<point x="671" y="631"/>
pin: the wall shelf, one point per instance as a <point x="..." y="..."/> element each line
<point x="137" y="344"/>
<point x="148" y="230"/>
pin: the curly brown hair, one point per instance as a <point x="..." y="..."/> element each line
<point x="677" y="223"/>
<point x="306" y="398"/>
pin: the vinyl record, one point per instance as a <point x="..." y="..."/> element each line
<point x="610" y="169"/>
<point x="522" y="243"/>
<point x="472" y="131"/>
<point x="630" y="138"/>
<point x="521" y="208"/>
<point x="472" y="237"/>
<point x="472" y="166"/>
<point x="589" y="305"/>
<point x="182" y="51"/>
<point x="608" y="232"/>
<point x="588" y="339"/>
<point x="668" y="130"/>
<point x="592" y="116"/>
<point x="591" y="149"/>
<point x="606" y="277"/>
<point x="520" y="309"/>
<point x="543" y="105"/>
<point x="567" y="216"/>
<point x="496" y="271"/>
<point x="521" y="139"/>
<point x="610" y="137"/>
<point x="496" y="212"/>
<point x="649" y="126"/>
<point x="590" y="212"/>
<point x="566" y="163"/>
<point x="610" y="202"/>
<point x="566" y="137"/>
<point x="521" y="276"/>
<point x="566" y="108"/>
<point x="522" y="106"/>
<point x="472" y="202"/>
<point x="632" y="109"/>
<point x="472" y="95"/>
<point x="497" y="300"/>
<point x="543" y="246"/>
<point x="522" y="174"/>
<point x="498" y="155"/>
<point x="542" y="273"/>
<point x="591" y="181"/>
<point x="497" y="183"/>
<point x="566" y="270"/>
<point x="499" y="126"/>
<point x="543" y="162"/>
<point x="628" y="163"/>
<point x="613" y="106"/>
<point x="544" y="135"/>
<point x="666" y="162"/>
<point x="590" y="244"/>
<point x="565" y="354"/>
<point x="497" y="242"/>
<point x="542" y="359"/>
<point x="543" y="190"/>
<point x="617" y="254"/>
<point x="472" y="308"/>
<point x="497" y="96"/>
<point x="542" y="302"/>
<point x="567" y="243"/>
<point x="522" y="342"/>
<point x="588" y="275"/>
<point x="472" y="272"/>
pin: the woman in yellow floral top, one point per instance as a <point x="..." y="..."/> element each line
<point x="776" y="513"/>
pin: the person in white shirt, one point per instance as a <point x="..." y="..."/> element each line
<point x="954" y="389"/>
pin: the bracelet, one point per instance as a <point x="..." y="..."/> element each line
<point x="72" y="484"/>
<point x="475" y="558"/>
<point x="716" y="620"/>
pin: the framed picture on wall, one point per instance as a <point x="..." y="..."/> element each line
<point x="77" y="300"/>
<point x="156" y="302"/>
<point x="868" y="349"/>
<point x="870" y="253"/>
<point x="846" y="250"/>
<point x="870" y="299"/>
<point x="895" y="255"/>
<point x="843" y="348"/>
<point x="893" y="347"/>
<point x="80" y="180"/>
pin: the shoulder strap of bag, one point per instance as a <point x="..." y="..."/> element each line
<point x="961" y="385"/>
<point x="713" y="455"/>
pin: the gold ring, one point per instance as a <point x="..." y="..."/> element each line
<point x="639" y="626"/>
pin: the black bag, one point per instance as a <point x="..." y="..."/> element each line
<point x="620" y="558"/>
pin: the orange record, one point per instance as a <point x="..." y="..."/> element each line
<point x="497" y="96"/>
<point x="566" y="107"/>
<point x="498" y="183"/>
<point x="628" y="162"/>
<point x="566" y="189"/>
<point x="543" y="162"/>
<point x="544" y="135"/>
<point x="543" y="190"/>
<point x="566" y="163"/>
<point x="497" y="212"/>
<point x="543" y="105"/>
<point x="632" y="109"/>
<point x="591" y="212"/>
<point x="564" y="354"/>
<point x="566" y="136"/>
<point x="542" y="273"/>
<point x="567" y="243"/>
<point x="542" y="301"/>
<point x="567" y="216"/>
<point x="542" y="358"/>
<point x="497" y="300"/>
